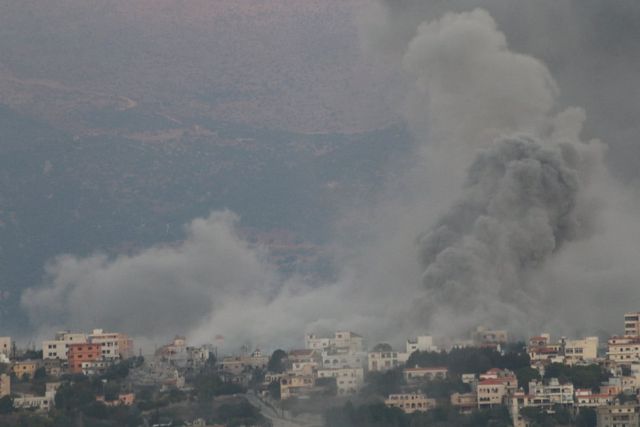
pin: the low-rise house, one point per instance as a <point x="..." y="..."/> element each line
<point x="348" y="380"/>
<point x="38" y="403"/>
<point x="296" y="386"/>
<point x="5" y="385"/>
<point x="124" y="399"/>
<point x="239" y="364"/>
<point x="420" y="343"/>
<point x="304" y="361"/>
<point x="53" y="367"/>
<point x="417" y="374"/>
<point x="25" y="367"/>
<point x="410" y="402"/>
<point x="465" y="402"/>
<point x="585" y="398"/>
<point x="619" y="415"/>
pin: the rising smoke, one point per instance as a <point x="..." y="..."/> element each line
<point x="527" y="202"/>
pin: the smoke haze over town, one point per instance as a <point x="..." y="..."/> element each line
<point x="258" y="170"/>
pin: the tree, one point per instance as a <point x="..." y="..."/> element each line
<point x="276" y="362"/>
<point x="274" y="390"/>
<point x="6" y="405"/>
<point x="525" y="375"/>
<point x="586" y="418"/>
<point x="383" y="346"/>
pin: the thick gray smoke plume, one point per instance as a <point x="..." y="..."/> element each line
<point x="522" y="202"/>
<point x="534" y="232"/>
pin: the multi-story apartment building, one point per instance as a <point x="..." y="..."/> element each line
<point x="384" y="360"/>
<point x="632" y="324"/>
<point x="553" y="392"/>
<point x="621" y="415"/>
<point x="57" y="348"/>
<point x="343" y="359"/>
<point x="410" y="402"/>
<point x="114" y="345"/>
<point x="348" y="380"/>
<point x="624" y="349"/>
<point x="78" y="355"/>
<point x="585" y="349"/>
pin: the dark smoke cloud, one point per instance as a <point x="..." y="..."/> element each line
<point x="521" y="204"/>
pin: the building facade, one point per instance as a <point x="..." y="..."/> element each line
<point x="5" y="346"/>
<point x="348" y="380"/>
<point x="78" y="355"/>
<point x="410" y="402"/>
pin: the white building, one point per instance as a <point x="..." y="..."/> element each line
<point x="57" y="348"/>
<point x="384" y="360"/>
<point x="115" y="345"/>
<point x="339" y="359"/>
<point x="348" y="380"/>
<point x="425" y="374"/>
<point x="38" y="403"/>
<point x="632" y="324"/>
<point x="421" y="343"/>
<point x="624" y="349"/>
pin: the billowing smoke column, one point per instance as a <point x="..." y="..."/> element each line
<point x="521" y="204"/>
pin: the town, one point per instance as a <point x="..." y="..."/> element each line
<point x="96" y="378"/>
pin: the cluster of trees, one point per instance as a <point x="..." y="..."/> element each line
<point x="559" y="416"/>
<point x="472" y="359"/>
<point x="378" y="415"/>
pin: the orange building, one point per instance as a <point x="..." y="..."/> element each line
<point x="80" y="353"/>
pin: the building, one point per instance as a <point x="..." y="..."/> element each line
<point x="579" y="350"/>
<point x="296" y="386"/>
<point x="410" y="402"/>
<point x="239" y="364"/>
<point x="114" y="345"/>
<point x="348" y="380"/>
<point x="483" y="336"/>
<point x="421" y="343"/>
<point x="342" y="359"/>
<point x="340" y="340"/>
<point x="56" y="349"/>
<point x="495" y="386"/>
<point x="465" y="402"/>
<point x="38" y="403"/>
<point x="53" y="367"/>
<point x="304" y="361"/>
<point x="624" y="349"/>
<point x="553" y="392"/>
<point x="384" y="360"/>
<point x="425" y="374"/>
<point x="5" y="346"/>
<point x="25" y="367"/>
<point x="5" y="385"/>
<point x="491" y="393"/>
<point x="124" y="399"/>
<point x="585" y="398"/>
<point x="78" y="355"/>
<point x="619" y="415"/>
<point x="632" y="324"/>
